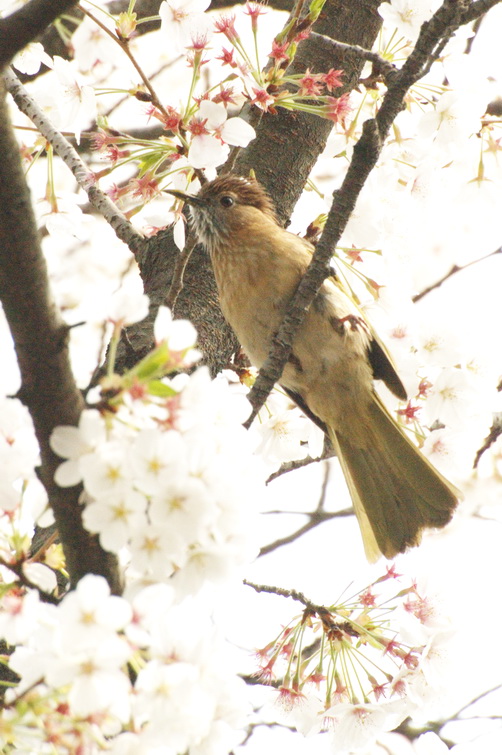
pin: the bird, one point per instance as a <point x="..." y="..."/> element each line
<point x="335" y="359"/>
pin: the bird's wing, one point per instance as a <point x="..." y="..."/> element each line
<point x="302" y="404"/>
<point x="383" y="367"/>
<point x="378" y="355"/>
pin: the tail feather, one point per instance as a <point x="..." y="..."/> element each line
<point x="396" y="492"/>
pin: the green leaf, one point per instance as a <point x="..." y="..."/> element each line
<point x="160" y="389"/>
<point x="315" y="8"/>
<point x="151" y="367"/>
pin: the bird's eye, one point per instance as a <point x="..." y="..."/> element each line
<point x="226" y="201"/>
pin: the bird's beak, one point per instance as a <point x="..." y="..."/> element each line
<point x="188" y="198"/>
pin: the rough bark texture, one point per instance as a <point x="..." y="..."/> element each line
<point x="282" y="155"/>
<point x="288" y="144"/>
<point x="41" y="340"/>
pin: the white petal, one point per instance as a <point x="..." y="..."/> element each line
<point x="237" y="132"/>
<point x="207" y="152"/>
<point x="66" y="441"/>
<point x="213" y="112"/>
<point x="40" y="575"/>
<point x="179" y="234"/>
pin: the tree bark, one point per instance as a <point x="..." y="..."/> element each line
<point x="283" y="154"/>
<point x="41" y="341"/>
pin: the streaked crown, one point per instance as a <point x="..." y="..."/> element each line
<point x="222" y="209"/>
<point x="244" y="191"/>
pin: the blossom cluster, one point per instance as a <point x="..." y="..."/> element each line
<point x="358" y="668"/>
<point x="170" y="486"/>
<point x="121" y="675"/>
<point x="168" y="477"/>
<point x="168" y="474"/>
<point x="199" y="130"/>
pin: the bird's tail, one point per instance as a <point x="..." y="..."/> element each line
<point x="395" y="490"/>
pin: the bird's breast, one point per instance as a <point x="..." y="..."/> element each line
<point x="254" y="288"/>
<point x="328" y="366"/>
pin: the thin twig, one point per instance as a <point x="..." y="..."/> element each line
<point x="124" y="46"/>
<point x="475" y="28"/>
<point x="315" y="519"/>
<point x="17" y="569"/>
<point x="281" y="591"/>
<point x="179" y="271"/>
<point x="84" y="177"/>
<point x="328" y="619"/>
<point x="291" y="466"/>
<point x="381" y="66"/>
<point x="455" y="269"/>
<point x="475" y="700"/>
<point x="495" y="432"/>
<point x="477" y="9"/>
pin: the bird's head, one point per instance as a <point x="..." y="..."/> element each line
<point x="227" y="208"/>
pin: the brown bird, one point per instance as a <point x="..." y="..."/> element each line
<point x="258" y="265"/>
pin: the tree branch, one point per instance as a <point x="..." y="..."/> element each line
<point x="455" y="269"/>
<point x="41" y="341"/>
<point x="495" y="432"/>
<point x="477" y="9"/>
<point x="433" y="35"/>
<point x="84" y="177"/>
<point x="380" y="65"/>
<point x="283" y="154"/>
<point x="26" y="24"/>
<point x="314" y="518"/>
<point x="291" y="466"/>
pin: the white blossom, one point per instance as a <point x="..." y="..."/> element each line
<point x="64" y="217"/>
<point x="283" y="437"/>
<point x="19" y="616"/>
<point x="90" y="614"/>
<point x="126" y="307"/>
<point x="157" y="551"/>
<point x="208" y="150"/>
<point x="115" y="518"/>
<point x="171" y="699"/>
<point x="185" y="505"/>
<point x="107" y="469"/>
<point x="30" y="59"/>
<point x="78" y="98"/>
<point x="97" y="681"/>
<point x="179" y="334"/>
<point x="455" y="117"/>
<point x="182" y="19"/>
<point x="407" y="16"/>
<point x="355" y="727"/>
<point x="74" y="443"/>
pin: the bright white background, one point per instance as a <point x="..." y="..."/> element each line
<point x="460" y="567"/>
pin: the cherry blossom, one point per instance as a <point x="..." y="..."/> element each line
<point x="78" y="98"/>
<point x="19" y="616"/>
<point x="180" y="334"/>
<point x="357" y="726"/>
<point x="181" y="20"/>
<point x="407" y="15"/>
<point x="127" y="308"/>
<point x="283" y="436"/>
<point x="30" y="59"/>
<point x="214" y="132"/>
<point x="171" y="480"/>
<point x="115" y="517"/>
<point x="74" y="443"/>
